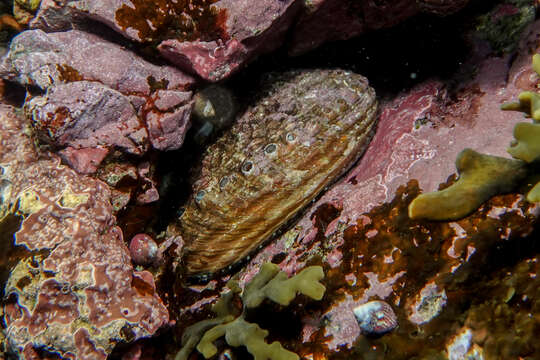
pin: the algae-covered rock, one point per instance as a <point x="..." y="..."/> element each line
<point x="480" y="177"/>
<point x="270" y="283"/>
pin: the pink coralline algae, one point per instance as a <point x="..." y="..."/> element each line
<point x="74" y="292"/>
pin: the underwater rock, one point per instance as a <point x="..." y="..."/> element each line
<point x="87" y="114"/>
<point x="79" y="71"/>
<point x="249" y="28"/>
<point x="84" y="161"/>
<point x="73" y="290"/>
<point x="303" y="132"/>
<point x="214" y="39"/>
<point x="42" y="59"/>
<point x="375" y="317"/>
<point x="330" y="20"/>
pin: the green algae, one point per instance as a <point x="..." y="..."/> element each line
<point x="503" y="26"/>
<point x="270" y="283"/>
<point x="529" y="103"/>
<point x="480" y="177"/>
<point x="534" y="194"/>
<point x="239" y="332"/>
<point x="526" y="146"/>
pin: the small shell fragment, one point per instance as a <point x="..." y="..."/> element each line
<point x="375" y="317"/>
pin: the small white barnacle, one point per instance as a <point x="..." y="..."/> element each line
<point x="200" y="195"/>
<point x="247" y="167"/>
<point x="223" y="182"/>
<point x="290" y="137"/>
<point x="270" y="149"/>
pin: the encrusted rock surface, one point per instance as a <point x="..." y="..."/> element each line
<point x="98" y="93"/>
<point x="74" y="290"/>
<point x="214" y="39"/>
<point x="86" y="114"/>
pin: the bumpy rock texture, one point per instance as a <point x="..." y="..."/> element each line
<point x="214" y="39"/>
<point x="73" y="291"/>
<point x="98" y="93"/>
<point x="303" y="132"/>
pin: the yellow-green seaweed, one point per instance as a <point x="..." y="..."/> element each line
<point x="480" y="177"/>
<point x="534" y="194"/>
<point x="536" y="63"/>
<point x="526" y="146"/>
<point x="270" y="283"/>
<point x="276" y="286"/>
<point x="239" y="332"/>
<point x="529" y="103"/>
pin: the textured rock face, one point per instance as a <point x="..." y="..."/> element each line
<point x="209" y="38"/>
<point x="98" y="93"/>
<point x="303" y="132"/>
<point x="214" y="39"/>
<point x="74" y="292"/>
<point x="85" y="114"/>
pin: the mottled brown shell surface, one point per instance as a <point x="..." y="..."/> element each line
<point x="306" y="129"/>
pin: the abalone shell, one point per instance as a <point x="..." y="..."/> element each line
<point x="299" y="136"/>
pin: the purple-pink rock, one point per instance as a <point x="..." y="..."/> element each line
<point x="86" y="114"/>
<point x="214" y="39"/>
<point x="43" y="59"/>
<point x="98" y="93"/>
<point x="84" y="161"/>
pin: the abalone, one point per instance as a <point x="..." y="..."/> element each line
<point x="300" y="135"/>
